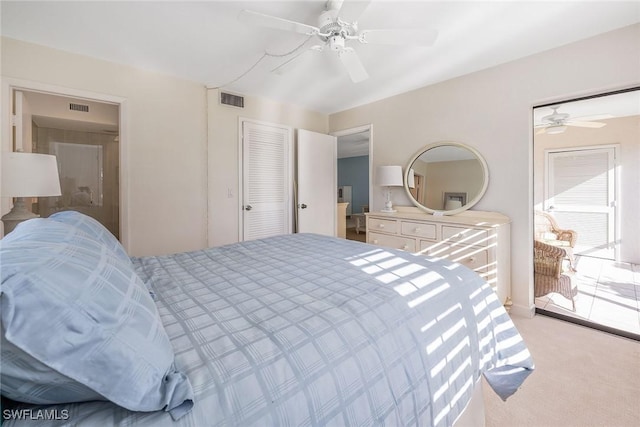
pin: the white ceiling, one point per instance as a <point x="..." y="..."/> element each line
<point x="204" y="42"/>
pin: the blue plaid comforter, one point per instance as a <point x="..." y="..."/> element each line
<point x="317" y="331"/>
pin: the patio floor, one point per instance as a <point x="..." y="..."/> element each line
<point x="608" y="294"/>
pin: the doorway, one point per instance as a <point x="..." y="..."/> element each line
<point x="84" y="137"/>
<point x="117" y="128"/>
<point x="586" y="181"/>
<point x="354" y="178"/>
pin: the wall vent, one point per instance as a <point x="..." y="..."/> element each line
<point x="79" y="107"/>
<point x="231" y="99"/>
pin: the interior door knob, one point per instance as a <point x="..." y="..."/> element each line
<point x="248" y="207"/>
<point x="302" y="206"/>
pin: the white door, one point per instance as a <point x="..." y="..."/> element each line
<point x="581" y="195"/>
<point x="266" y="187"/>
<point x="317" y="198"/>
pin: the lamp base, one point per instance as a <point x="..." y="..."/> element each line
<point x="388" y="205"/>
<point x="16" y="215"/>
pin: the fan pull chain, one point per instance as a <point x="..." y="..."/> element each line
<point x="266" y="54"/>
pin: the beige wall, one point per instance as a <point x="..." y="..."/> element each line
<point x="491" y="110"/>
<point x="165" y="139"/>
<point x="224" y="154"/>
<point x="624" y="132"/>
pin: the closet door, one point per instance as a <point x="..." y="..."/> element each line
<point x="266" y="180"/>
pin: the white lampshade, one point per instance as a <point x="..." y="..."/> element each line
<point x="389" y="176"/>
<point x="411" y="178"/>
<point x="29" y="175"/>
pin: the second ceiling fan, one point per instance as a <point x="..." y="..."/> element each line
<point x="337" y="28"/>
<point x="557" y="122"/>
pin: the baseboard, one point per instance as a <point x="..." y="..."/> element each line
<point x="588" y="324"/>
<point x="523" y="311"/>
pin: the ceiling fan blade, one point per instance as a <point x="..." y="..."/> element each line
<point x="263" y="20"/>
<point x="352" y="63"/>
<point x="352" y="9"/>
<point x="585" y="124"/>
<point x="592" y="118"/>
<point x="400" y="37"/>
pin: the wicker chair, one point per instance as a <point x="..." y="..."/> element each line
<point x="547" y="272"/>
<point x="548" y="231"/>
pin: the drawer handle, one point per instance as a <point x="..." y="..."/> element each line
<point x="417" y="230"/>
<point x="472" y="259"/>
<point x="381" y="225"/>
<point x="375" y="241"/>
<point x="405" y="247"/>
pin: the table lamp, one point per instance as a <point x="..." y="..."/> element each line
<point x="27" y="175"/>
<point x="389" y="176"/>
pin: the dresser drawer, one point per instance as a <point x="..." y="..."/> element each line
<point x="385" y="225"/>
<point x="472" y="258"/>
<point x="395" y="242"/>
<point x="423" y="230"/>
<point x="465" y="236"/>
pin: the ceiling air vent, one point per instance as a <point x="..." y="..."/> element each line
<point x="79" y="107"/>
<point x="231" y="99"/>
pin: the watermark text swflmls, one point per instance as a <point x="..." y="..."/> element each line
<point x="35" y="414"/>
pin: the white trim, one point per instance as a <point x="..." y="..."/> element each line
<point x="11" y="84"/>
<point x="351" y="131"/>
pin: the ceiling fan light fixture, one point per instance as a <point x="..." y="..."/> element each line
<point x="336" y="43"/>
<point x="338" y="27"/>
<point x="556" y="129"/>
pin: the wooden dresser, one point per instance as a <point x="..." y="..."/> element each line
<point x="479" y="240"/>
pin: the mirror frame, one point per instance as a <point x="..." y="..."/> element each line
<point x="470" y="203"/>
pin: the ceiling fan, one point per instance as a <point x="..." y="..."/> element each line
<point x="337" y="28"/>
<point x="556" y="122"/>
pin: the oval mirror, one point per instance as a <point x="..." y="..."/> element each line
<point x="446" y="178"/>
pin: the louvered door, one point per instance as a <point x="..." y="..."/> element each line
<point x="267" y="190"/>
<point x="581" y="195"/>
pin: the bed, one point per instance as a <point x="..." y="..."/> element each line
<point x="299" y="329"/>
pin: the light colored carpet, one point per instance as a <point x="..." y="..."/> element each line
<point x="583" y="377"/>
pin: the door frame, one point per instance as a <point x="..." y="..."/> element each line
<point x="351" y="131"/>
<point x="616" y="185"/>
<point x="290" y="207"/>
<point x="6" y="91"/>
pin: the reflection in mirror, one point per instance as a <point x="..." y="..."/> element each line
<point x="585" y="184"/>
<point x="446" y="177"/>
